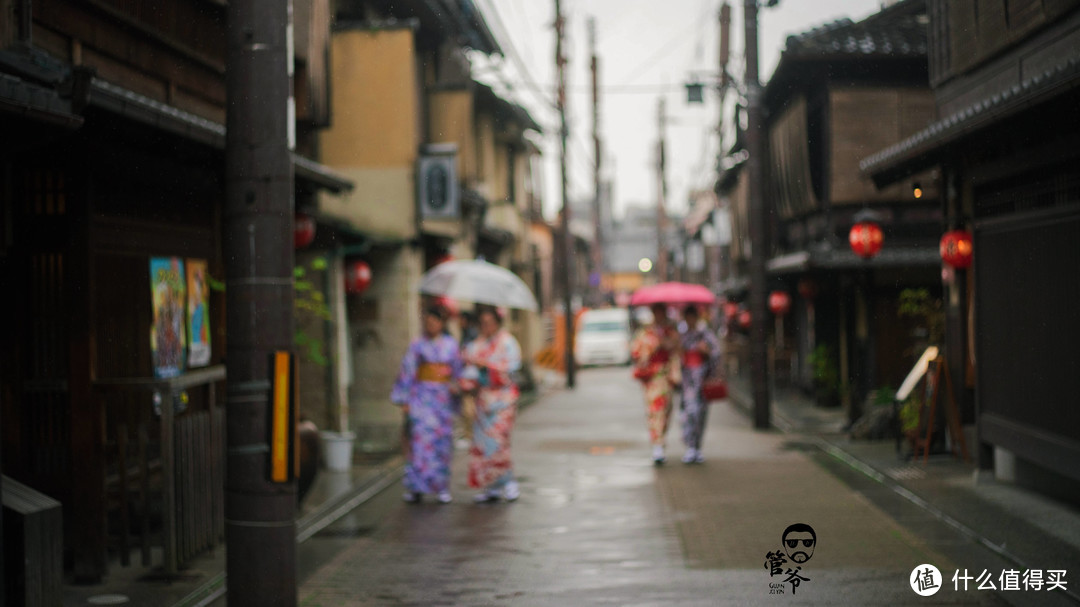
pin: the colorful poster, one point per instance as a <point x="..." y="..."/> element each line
<point x="198" y="313"/>
<point x="168" y="290"/>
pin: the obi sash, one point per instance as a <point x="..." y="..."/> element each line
<point x="433" y="372"/>
<point x="693" y="358"/>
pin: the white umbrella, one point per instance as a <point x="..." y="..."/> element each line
<point x="479" y="282"/>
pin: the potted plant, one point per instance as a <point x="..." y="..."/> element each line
<point x="313" y="314"/>
<point x="826" y="376"/>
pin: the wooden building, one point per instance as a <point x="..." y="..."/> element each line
<point x="839" y="90"/>
<point x="111" y="169"/>
<point x="1006" y="81"/>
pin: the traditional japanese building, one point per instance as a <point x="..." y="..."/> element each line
<point x="1005" y="145"/>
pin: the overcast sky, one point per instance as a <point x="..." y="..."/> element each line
<point x="648" y="49"/>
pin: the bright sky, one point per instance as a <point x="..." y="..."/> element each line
<point x="647" y="50"/>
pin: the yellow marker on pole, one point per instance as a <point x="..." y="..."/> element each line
<point x="279" y="443"/>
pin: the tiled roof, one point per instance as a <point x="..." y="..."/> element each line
<point x="897" y="31"/>
<point x="981" y="114"/>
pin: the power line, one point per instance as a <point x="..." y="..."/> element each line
<point x="519" y="64"/>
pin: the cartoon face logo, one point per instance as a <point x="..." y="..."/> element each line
<point x="799" y="540"/>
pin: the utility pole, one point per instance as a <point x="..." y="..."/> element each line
<point x="717" y="272"/>
<point x="661" y="195"/>
<point x="598" y="156"/>
<point x="755" y="146"/>
<point x="260" y="509"/>
<point x="568" y="241"/>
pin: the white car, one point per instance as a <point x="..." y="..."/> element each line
<point x="603" y="337"/>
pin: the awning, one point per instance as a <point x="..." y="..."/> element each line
<point x="926" y="148"/>
<point x="112" y="98"/>
<point x="846" y="259"/>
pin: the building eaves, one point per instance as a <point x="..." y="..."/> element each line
<point x="131" y="105"/>
<point x="921" y="150"/>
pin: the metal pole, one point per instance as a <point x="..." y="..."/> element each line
<point x="759" y="372"/>
<point x="568" y="241"/>
<point x="260" y="527"/>
<point x="598" y="156"/>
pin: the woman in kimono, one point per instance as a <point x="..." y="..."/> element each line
<point x="490" y="359"/>
<point x="426" y="389"/>
<point x="654" y="351"/>
<point x="700" y="350"/>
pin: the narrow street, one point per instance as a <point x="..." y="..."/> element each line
<point x="597" y="523"/>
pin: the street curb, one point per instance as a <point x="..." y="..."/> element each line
<point x="388" y="473"/>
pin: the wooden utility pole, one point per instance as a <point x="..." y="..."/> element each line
<point x="755" y="166"/>
<point x="598" y="156"/>
<point x="567" y="239"/>
<point x="260" y="507"/>
<point x="718" y="271"/>
<point x="661" y="195"/>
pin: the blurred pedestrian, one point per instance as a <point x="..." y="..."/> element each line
<point x="426" y="388"/>
<point x="469" y="332"/>
<point x="654" y="351"/>
<point x="700" y="355"/>
<point x="490" y="360"/>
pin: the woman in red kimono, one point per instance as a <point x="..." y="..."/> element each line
<point x="655" y="351"/>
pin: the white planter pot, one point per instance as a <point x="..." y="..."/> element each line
<point x="338" y="450"/>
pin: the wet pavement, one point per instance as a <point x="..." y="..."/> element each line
<point x="597" y="523"/>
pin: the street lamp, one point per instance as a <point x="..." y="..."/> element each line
<point x="644" y="265"/>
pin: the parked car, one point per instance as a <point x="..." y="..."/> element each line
<point x="603" y="337"/>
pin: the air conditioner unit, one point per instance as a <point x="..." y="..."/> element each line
<point x="437" y="184"/>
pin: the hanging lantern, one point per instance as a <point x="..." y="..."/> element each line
<point x="730" y="309"/>
<point x="744" y="319"/>
<point x="357" y="277"/>
<point x="956" y="249"/>
<point x="779" y="302"/>
<point x="808" y="289"/>
<point x="303" y="230"/>
<point x="865" y="239"/>
<point x="695" y="92"/>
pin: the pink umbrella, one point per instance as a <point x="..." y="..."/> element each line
<point x="672" y="293"/>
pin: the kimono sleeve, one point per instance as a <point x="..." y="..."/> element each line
<point x="406" y="376"/>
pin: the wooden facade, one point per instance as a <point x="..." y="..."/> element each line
<point x="829" y="100"/>
<point x="116" y="114"/>
<point x="1007" y="84"/>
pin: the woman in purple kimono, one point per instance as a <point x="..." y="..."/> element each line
<point x="700" y="351"/>
<point x="426" y="388"/>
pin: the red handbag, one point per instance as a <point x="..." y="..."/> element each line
<point x="714" y="388"/>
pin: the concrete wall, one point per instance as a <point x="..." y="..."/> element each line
<point x="451" y="121"/>
<point x="374" y="138"/>
<point x="382" y="322"/>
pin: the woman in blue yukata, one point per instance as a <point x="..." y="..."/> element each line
<point x="700" y="354"/>
<point x="490" y="360"/>
<point x="427" y="389"/>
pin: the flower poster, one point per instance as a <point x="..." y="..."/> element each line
<point x="198" y="313"/>
<point x="168" y="289"/>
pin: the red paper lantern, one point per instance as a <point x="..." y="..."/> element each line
<point x="779" y="302"/>
<point x="956" y="249"/>
<point x="865" y="239"/>
<point x="730" y="309"/>
<point x="744" y="319"/>
<point x="357" y="277"/>
<point x="303" y="230"/>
